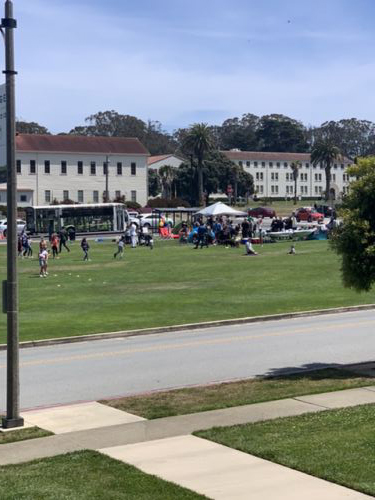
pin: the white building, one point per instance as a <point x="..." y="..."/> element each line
<point x="161" y="160"/>
<point x="273" y="176"/>
<point x="72" y="167"/>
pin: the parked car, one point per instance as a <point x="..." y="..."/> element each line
<point x="262" y="212"/>
<point x="21" y="225"/>
<point x="308" y="214"/>
<point x="152" y="221"/>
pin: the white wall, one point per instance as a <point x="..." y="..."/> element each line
<point x="56" y="183"/>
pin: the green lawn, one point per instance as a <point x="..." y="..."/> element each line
<point x="23" y="434"/>
<point x="85" y="475"/>
<point x="335" y="445"/>
<point x="173" y="284"/>
<point x="215" y="396"/>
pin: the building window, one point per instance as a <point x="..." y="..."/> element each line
<point x="316" y="190"/>
<point x="65" y="195"/>
<point x="335" y="165"/>
<point x="334" y="177"/>
<point x="285" y="165"/>
<point x="133" y="169"/>
<point x="63" y="167"/>
<point x="248" y="164"/>
<point x="47" y="167"/>
<point x="80" y="167"/>
<point x="105" y="168"/>
<point x="95" y="196"/>
<point x="270" y="164"/>
<point x="80" y="196"/>
<point x="134" y="195"/>
<point x="240" y="163"/>
<point x="92" y="168"/>
<point x="291" y="189"/>
<point x="276" y="189"/>
<point x="287" y="176"/>
<point x="278" y="164"/>
<point x="342" y="165"/>
<point x="18" y="166"/>
<point x="119" y="168"/>
<point x="23" y="198"/>
<point x="272" y="189"/>
<point x="307" y="165"/>
<point x="118" y="194"/>
<point x="47" y="196"/>
<point x="255" y="163"/>
<point x="32" y="167"/>
<point x="261" y="189"/>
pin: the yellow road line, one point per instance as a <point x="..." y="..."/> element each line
<point x="193" y="343"/>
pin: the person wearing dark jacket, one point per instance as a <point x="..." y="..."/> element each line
<point x="85" y="247"/>
<point x="63" y="237"/>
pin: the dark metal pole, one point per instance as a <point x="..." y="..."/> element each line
<point x="12" y="418"/>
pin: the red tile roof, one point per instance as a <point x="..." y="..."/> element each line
<point x="79" y="144"/>
<point x="154" y="159"/>
<point x="266" y="156"/>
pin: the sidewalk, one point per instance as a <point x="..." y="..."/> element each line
<point x="96" y="427"/>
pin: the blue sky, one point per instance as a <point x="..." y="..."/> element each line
<point x="182" y="61"/>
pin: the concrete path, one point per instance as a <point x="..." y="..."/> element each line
<point x="222" y="473"/>
<point x="162" y="447"/>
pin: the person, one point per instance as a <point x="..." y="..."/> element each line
<point x="85" y="247"/>
<point x="42" y="244"/>
<point x="183" y="233"/>
<point x="249" y="248"/>
<point x="29" y="247"/>
<point x="43" y="259"/>
<point x="55" y="245"/>
<point x="292" y="250"/>
<point x="148" y="239"/>
<point x="121" y="245"/>
<point x="201" y="233"/>
<point x="245" y="229"/>
<point x="294" y="221"/>
<point x="19" y="246"/>
<point x="63" y="237"/>
<point x="133" y="234"/>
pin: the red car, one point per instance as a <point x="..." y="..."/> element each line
<point x="261" y="212"/>
<point x="308" y="214"/>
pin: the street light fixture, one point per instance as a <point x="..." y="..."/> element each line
<point x="12" y="418"/>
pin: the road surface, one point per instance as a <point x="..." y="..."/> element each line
<point x="108" y="368"/>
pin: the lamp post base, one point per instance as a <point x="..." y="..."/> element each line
<point x="10" y="423"/>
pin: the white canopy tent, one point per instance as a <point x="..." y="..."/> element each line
<point x="220" y="208"/>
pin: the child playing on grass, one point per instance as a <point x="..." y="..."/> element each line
<point x="121" y="245"/>
<point x="85" y="247"/>
<point x="55" y="245"/>
<point x="43" y="259"/>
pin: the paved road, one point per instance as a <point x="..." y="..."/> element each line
<point x="100" y="369"/>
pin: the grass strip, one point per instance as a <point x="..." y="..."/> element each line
<point x="23" y="435"/>
<point x="226" y="395"/>
<point x="336" y="445"/>
<point x="85" y="475"/>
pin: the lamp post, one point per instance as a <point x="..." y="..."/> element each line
<point x="12" y="418"/>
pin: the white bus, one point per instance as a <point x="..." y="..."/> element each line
<point x="85" y="218"/>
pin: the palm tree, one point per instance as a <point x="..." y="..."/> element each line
<point x="167" y="175"/>
<point x="295" y="166"/>
<point x="198" y="141"/>
<point x="325" y="152"/>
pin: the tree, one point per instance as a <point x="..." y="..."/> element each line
<point x="237" y="133"/>
<point x="354" y="239"/>
<point x="154" y="187"/>
<point x="352" y="136"/>
<point x="167" y="175"/>
<point x="198" y="142"/>
<point x="279" y="133"/>
<point x="325" y="152"/>
<point x="23" y="127"/>
<point x="295" y="166"/>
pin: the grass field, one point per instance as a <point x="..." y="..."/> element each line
<point x="173" y="284"/>
<point x="335" y="445"/>
<point x="215" y="396"/>
<point x="23" y="435"/>
<point x="85" y="475"/>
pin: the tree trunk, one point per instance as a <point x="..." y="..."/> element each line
<point x="295" y="191"/>
<point x="328" y="180"/>
<point x="200" y="183"/>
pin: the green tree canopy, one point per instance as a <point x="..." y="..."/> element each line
<point x="354" y="239"/>
<point x="23" y="127"/>
<point x="280" y="133"/>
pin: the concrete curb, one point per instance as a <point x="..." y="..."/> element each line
<point x="188" y="326"/>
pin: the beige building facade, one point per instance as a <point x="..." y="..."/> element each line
<point x="273" y="177"/>
<point x="74" y="168"/>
